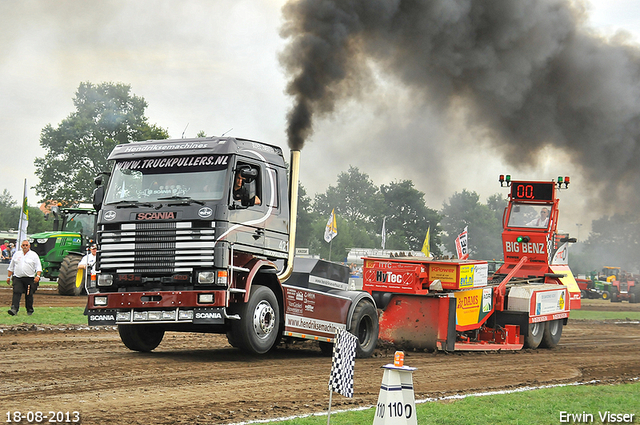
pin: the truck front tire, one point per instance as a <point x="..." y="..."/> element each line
<point x="257" y="330"/>
<point x="142" y="338"/>
<point x="67" y="276"/>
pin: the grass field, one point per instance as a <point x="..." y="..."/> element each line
<point x="535" y="407"/>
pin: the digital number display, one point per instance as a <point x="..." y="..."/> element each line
<point x="528" y="191"/>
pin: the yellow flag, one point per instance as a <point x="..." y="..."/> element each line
<point x="426" y="246"/>
<point x="331" y="230"/>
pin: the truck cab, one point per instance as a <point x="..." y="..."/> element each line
<point x="196" y="235"/>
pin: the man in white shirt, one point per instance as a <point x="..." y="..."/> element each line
<point x="88" y="262"/>
<point x="25" y="268"/>
<point x="541" y="221"/>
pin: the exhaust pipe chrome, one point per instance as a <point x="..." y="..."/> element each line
<point x="293" y="214"/>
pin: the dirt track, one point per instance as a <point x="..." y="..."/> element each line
<point x="196" y="378"/>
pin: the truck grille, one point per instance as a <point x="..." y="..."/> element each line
<point x="156" y="247"/>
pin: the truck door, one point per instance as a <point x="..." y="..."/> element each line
<point x="247" y="207"/>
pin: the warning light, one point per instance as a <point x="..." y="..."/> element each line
<point x="522" y="239"/>
<point x="564" y="180"/>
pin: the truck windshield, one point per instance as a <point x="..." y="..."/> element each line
<point x="147" y="180"/>
<point x="528" y="215"/>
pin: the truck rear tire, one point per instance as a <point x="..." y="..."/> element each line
<point x="257" y="330"/>
<point x="552" y="334"/>
<point x="67" y="277"/>
<point x="142" y="338"/>
<point x="364" y="325"/>
<point x="534" y="335"/>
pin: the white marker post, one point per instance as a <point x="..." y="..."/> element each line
<point x="396" y="402"/>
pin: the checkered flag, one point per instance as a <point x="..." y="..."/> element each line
<point x="344" y="354"/>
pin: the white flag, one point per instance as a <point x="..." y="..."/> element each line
<point x="331" y="230"/>
<point x="384" y="232"/>
<point x="461" y="245"/>
<point x="344" y="354"/>
<point x="24" y="217"/>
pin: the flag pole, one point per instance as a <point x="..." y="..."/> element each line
<point x="329" y="411"/>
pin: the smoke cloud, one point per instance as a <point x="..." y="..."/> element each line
<point x="529" y="73"/>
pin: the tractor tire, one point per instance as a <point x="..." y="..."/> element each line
<point x="615" y="298"/>
<point x="606" y="295"/>
<point x="552" y="334"/>
<point x="67" y="277"/>
<point x="534" y="335"/>
<point x="257" y="330"/>
<point x="142" y="338"/>
<point x="364" y="325"/>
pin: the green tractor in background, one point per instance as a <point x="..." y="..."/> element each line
<point x="62" y="249"/>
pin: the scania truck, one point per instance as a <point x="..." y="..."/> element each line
<point x="197" y="235"/>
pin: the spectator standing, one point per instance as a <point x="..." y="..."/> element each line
<point x="25" y="270"/>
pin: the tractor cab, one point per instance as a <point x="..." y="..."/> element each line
<point x="530" y="234"/>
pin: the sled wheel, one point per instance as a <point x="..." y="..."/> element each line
<point x="364" y="325"/>
<point x="534" y="335"/>
<point x="552" y="334"/>
<point x="141" y="337"/>
<point x="257" y="330"/>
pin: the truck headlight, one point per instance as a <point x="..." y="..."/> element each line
<point x="123" y="316"/>
<point x="105" y="280"/>
<point x="42" y="240"/>
<point x="206" y="278"/>
<point x="205" y="298"/>
<point x="100" y="301"/>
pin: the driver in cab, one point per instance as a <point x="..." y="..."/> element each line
<point x="240" y="189"/>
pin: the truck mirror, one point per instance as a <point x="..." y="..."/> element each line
<point x="249" y="174"/>
<point x="98" y="197"/>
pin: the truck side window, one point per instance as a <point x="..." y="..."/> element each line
<point x="273" y="182"/>
<point x="246" y="185"/>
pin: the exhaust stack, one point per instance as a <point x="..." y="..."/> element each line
<point x="293" y="213"/>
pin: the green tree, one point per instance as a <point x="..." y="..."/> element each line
<point x="408" y="217"/>
<point x="354" y="198"/>
<point x="76" y="151"/>
<point x="305" y="237"/>
<point x="614" y="241"/>
<point x="9" y="211"/>
<point x="484" y="224"/>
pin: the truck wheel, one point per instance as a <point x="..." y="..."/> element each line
<point x="67" y="277"/>
<point x="552" y="334"/>
<point x="364" y="325"/>
<point x="534" y="335"/>
<point x="141" y="337"/>
<point x="606" y="295"/>
<point x="257" y="330"/>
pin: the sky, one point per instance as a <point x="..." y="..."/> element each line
<point x="214" y="66"/>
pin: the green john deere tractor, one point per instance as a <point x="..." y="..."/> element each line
<point x="62" y="249"/>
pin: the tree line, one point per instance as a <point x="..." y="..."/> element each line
<point x="108" y="114"/>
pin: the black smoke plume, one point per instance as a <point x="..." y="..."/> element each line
<point x="530" y="72"/>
